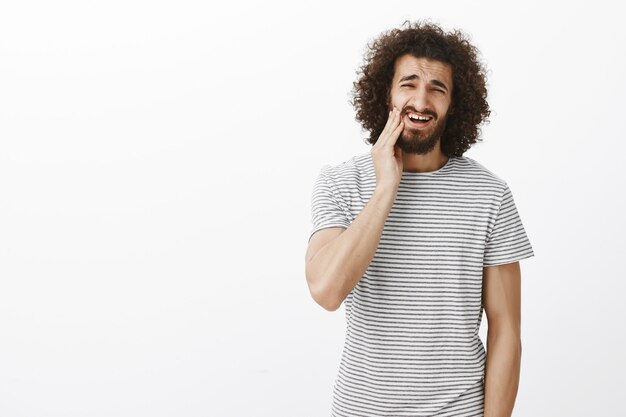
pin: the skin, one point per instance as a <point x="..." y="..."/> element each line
<point x="502" y="301"/>
<point x="422" y="86"/>
<point x="337" y="258"/>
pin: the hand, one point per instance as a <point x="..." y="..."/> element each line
<point x="386" y="155"/>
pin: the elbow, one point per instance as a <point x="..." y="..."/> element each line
<point x="322" y="296"/>
<point x="330" y="304"/>
<point x="326" y="300"/>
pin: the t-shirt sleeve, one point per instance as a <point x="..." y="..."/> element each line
<point x="327" y="207"/>
<point x="507" y="242"/>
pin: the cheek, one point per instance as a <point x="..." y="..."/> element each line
<point x="399" y="102"/>
<point x="397" y="98"/>
<point x="443" y="107"/>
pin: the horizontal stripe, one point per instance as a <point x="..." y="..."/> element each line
<point x="412" y="346"/>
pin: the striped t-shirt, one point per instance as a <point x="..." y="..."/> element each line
<point x="412" y="342"/>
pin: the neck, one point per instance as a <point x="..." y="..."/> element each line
<point x="430" y="161"/>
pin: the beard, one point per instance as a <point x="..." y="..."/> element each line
<point x="421" y="141"/>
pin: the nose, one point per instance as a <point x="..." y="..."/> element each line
<point x="419" y="100"/>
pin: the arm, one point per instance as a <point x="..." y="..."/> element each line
<point x="501" y="301"/>
<point x="337" y="258"/>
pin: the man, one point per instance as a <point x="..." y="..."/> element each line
<point x="416" y="239"/>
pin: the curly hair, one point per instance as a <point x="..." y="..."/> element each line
<point x="371" y="92"/>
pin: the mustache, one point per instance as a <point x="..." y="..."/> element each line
<point x="412" y="110"/>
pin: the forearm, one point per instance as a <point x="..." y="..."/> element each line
<point x="502" y="372"/>
<point x="340" y="264"/>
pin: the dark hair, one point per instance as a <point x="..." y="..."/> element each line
<point x="370" y="94"/>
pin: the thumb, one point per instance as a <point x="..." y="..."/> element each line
<point x="398" y="153"/>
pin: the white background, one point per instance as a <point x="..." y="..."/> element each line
<point x="156" y="166"/>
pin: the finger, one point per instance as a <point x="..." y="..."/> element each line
<point x="393" y="137"/>
<point x="391" y="125"/>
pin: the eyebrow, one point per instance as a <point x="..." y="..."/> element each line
<point x="416" y="77"/>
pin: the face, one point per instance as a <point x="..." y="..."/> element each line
<point x="421" y="87"/>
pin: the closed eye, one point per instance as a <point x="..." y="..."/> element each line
<point x="411" y="85"/>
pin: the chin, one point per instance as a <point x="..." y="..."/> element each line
<point x="420" y="144"/>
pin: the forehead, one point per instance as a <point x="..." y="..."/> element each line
<point x="425" y="68"/>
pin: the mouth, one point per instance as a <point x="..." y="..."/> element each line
<point x="413" y="120"/>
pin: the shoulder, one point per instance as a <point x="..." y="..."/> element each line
<point x="479" y="173"/>
<point x="351" y="171"/>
